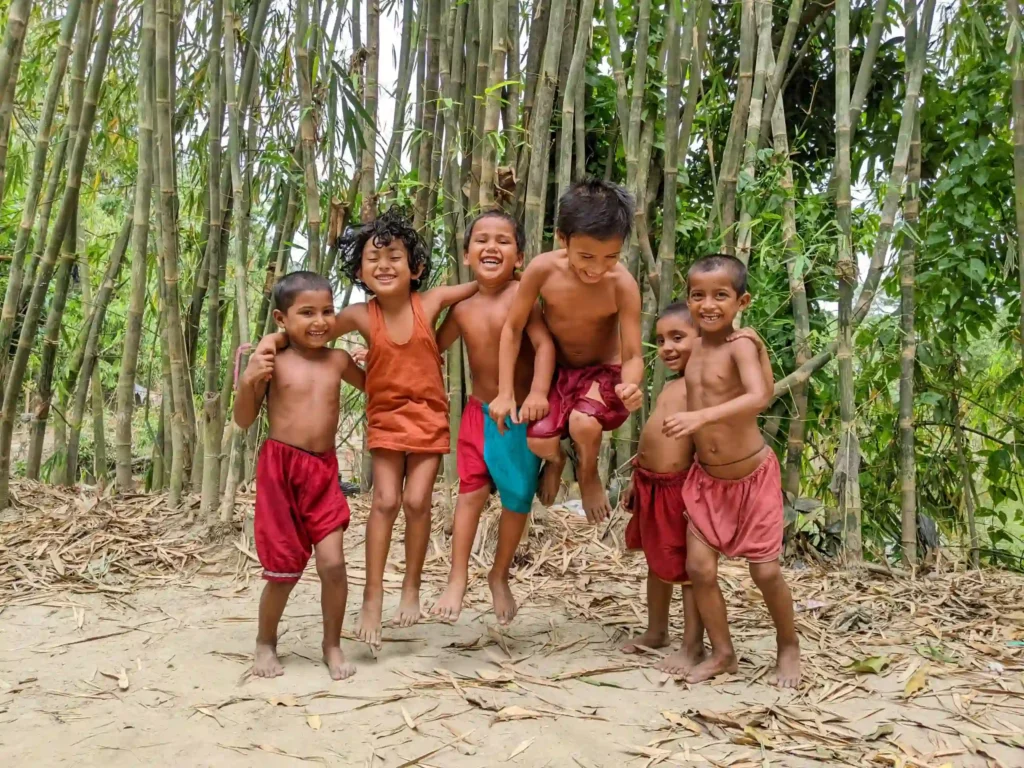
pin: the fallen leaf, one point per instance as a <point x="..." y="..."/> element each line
<point x="683" y="722"/>
<point x="885" y="729"/>
<point x="313" y="721"/>
<point x="520" y="749"/>
<point x="285" y="700"/>
<point x="122" y="679"/>
<point x="515" y="713"/>
<point x="872" y="665"/>
<point x="58" y="564"/>
<point x="408" y="719"/>
<point x="917" y="682"/>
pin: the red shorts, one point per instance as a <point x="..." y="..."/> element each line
<point x="739" y="518"/>
<point x="298" y="503"/>
<point x="658" y="524"/>
<point x="569" y="393"/>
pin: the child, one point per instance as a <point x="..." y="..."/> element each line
<point x="733" y="494"/>
<point x="658" y="525"/>
<point x="488" y="459"/>
<point x="406" y="400"/>
<point x="591" y="304"/>
<point x="299" y="504"/>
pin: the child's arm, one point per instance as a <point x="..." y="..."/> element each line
<point x="354" y="317"/>
<point x="504" y="405"/>
<point x="631" y="346"/>
<point x="448" y="333"/>
<point x="766" y="363"/>
<point x="535" y="406"/>
<point x="436" y="300"/>
<point x="352" y="373"/>
<point x="252" y="386"/>
<point x="749" y="404"/>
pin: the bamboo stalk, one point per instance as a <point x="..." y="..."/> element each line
<point x="967" y="473"/>
<point x="781" y="65"/>
<point x="14" y="35"/>
<point x="512" y="92"/>
<point x="570" y="95"/>
<point x="867" y="64"/>
<point x="540" y="131"/>
<point x="307" y="128"/>
<point x="367" y="182"/>
<point x="69" y="204"/>
<point x="421" y="213"/>
<point x="539" y="16"/>
<point x="12" y="296"/>
<point x="485" y="23"/>
<point x="7" y="97"/>
<point x="1017" y="97"/>
<point x="393" y="154"/>
<point x="492" y="113"/>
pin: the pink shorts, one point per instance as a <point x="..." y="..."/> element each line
<point x="298" y="503"/>
<point x="739" y="518"/>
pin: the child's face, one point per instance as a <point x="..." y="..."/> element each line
<point x="589" y="258"/>
<point x="385" y="270"/>
<point x="714" y="301"/>
<point x="493" y="255"/>
<point x="308" y="318"/>
<point x="675" y="336"/>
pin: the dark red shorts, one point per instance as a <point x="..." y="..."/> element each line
<point x="738" y="518"/>
<point x="298" y="503"/>
<point x="569" y="393"/>
<point x="658" y="524"/>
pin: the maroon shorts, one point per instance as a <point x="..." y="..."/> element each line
<point x="298" y="503"/>
<point x="569" y="393"/>
<point x="658" y="524"/>
<point x="739" y="518"/>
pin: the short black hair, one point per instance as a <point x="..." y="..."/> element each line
<point x="717" y="261"/>
<point x="287" y="289"/>
<point x="393" y="224"/>
<point x="597" y="208"/>
<point x="495" y="213"/>
<point x="679" y="308"/>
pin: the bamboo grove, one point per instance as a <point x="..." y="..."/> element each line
<point x="161" y="162"/>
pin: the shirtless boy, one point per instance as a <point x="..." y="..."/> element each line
<point x="654" y="497"/>
<point x="591" y="305"/>
<point x="299" y="504"/>
<point x="487" y="459"/>
<point x="733" y="494"/>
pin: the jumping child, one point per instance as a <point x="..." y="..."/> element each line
<point x="733" y="494"/>
<point x="591" y="304"/>
<point x="654" y="497"/>
<point x="299" y="504"/>
<point x="406" y="400"/>
<point x="489" y="459"/>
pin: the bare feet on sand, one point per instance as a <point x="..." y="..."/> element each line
<point x="368" y="628"/>
<point x="266" y="663"/>
<point x="504" y="603"/>
<point x="336" y="664"/>
<point x="713" y="666"/>
<point x="595" y="498"/>
<point x="449" y="606"/>
<point x="787" y="667"/>
<point x="649" y="639"/>
<point x="551" y="480"/>
<point x="682" y="661"/>
<point x="408" y="608"/>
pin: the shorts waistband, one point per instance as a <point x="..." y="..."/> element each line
<point x="660" y="477"/>
<point x="760" y="468"/>
<point x="314" y="454"/>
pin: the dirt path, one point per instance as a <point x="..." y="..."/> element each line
<point x="157" y="676"/>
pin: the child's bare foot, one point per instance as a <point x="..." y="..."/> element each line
<point x="449" y="606"/>
<point x="336" y="664"/>
<point x="504" y="603"/>
<point x="551" y="480"/>
<point x="266" y="663"/>
<point x="408" y="608"/>
<point x="649" y="639"/>
<point x="368" y="628"/>
<point x="682" y="661"/>
<point x="595" y="498"/>
<point x="787" y="667"/>
<point x="713" y="666"/>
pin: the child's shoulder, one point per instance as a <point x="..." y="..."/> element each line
<point x="674" y="392"/>
<point x="547" y="262"/>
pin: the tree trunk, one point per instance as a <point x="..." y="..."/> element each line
<point x="490" y="137"/>
<point x="540" y="131"/>
<point x="65" y="215"/>
<point x="140" y="251"/>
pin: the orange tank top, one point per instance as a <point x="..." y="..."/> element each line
<point x="406" y="401"/>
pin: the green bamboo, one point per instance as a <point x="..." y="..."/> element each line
<point x="570" y="95"/>
<point x="485" y="22"/>
<point x="421" y="214"/>
<point x="7" y="97"/>
<point x="492" y="113"/>
<point x="392" y="156"/>
<point x="1017" y="97"/>
<point x="781" y="64"/>
<point x="539" y="15"/>
<point x="14" y="35"/>
<point x="512" y="92"/>
<point x="367" y="182"/>
<point x="307" y="127"/>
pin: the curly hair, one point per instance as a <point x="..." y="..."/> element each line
<point x="393" y="224"/>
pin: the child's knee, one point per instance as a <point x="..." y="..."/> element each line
<point x="584" y="429"/>
<point x="416" y="506"/>
<point x="544" y="447"/>
<point x="702" y="568"/>
<point x="331" y="570"/>
<point x="766" y="575"/>
<point x="386" y="503"/>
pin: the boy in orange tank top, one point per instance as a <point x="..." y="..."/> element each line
<point x="406" y="399"/>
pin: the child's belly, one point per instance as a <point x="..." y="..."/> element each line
<point x="662" y="454"/>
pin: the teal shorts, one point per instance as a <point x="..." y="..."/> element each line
<point x="502" y="462"/>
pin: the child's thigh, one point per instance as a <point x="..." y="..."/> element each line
<point x="388" y="477"/>
<point x="330" y="550"/>
<point x="420" y="475"/>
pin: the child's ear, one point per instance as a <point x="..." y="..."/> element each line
<point x="465" y="258"/>
<point x="744" y="301"/>
<point x="520" y="258"/>
<point x="418" y="272"/>
<point x="563" y="241"/>
<point x="279" y="318"/>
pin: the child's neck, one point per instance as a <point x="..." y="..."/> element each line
<point x="495" y="289"/>
<point x="392" y="304"/>
<point x="716" y="338"/>
<point x="310" y="353"/>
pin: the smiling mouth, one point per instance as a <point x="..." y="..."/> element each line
<point x="491" y="261"/>
<point x="385" y="278"/>
<point x="316" y="334"/>
<point x="711" y="318"/>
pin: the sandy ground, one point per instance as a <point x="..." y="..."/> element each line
<point x="158" y="676"/>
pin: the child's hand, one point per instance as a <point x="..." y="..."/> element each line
<point x="534" y="408"/>
<point x="747" y="333"/>
<point x="358" y="356"/>
<point x="630" y="395"/>
<point x="261" y="364"/>
<point x="626" y="500"/>
<point x="682" y="424"/>
<point x="502" y="408"/>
